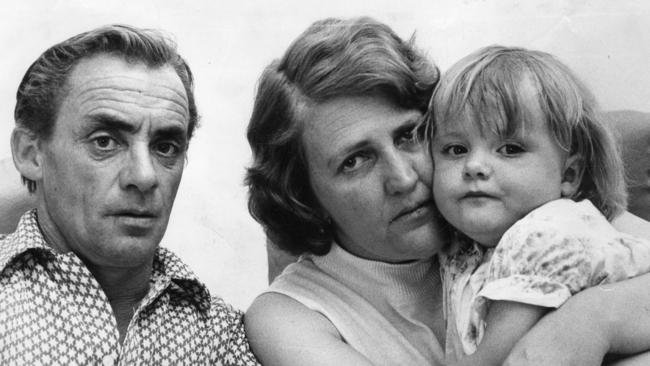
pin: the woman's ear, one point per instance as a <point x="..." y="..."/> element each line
<point x="572" y="175"/>
<point x="26" y="151"/>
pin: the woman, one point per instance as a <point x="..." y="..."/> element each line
<point x="340" y="174"/>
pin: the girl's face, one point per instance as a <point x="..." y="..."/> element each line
<point x="483" y="183"/>
<point x="372" y="177"/>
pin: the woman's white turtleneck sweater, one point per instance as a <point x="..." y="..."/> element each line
<point x="384" y="311"/>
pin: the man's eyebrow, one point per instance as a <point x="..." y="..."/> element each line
<point x="173" y="132"/>
<point x="114" y="123"/>
<point x="110" y="122"/>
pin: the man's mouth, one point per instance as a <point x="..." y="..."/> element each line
<point x="135" y="222"/>
<point x="136" y="213"/>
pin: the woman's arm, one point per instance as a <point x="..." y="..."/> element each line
<point x="613" y="318"/>
<point x="604" y="319"/>
<point x="283" y="332"/>
<point x="642" y="359"/>
<point x="633" y="225"/>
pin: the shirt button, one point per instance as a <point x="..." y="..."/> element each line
<point x="108" y="360"/>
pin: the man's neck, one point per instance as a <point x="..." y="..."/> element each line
<point x="125" y="289"/>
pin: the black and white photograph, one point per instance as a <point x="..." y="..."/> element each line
<point x="301" y="182"/>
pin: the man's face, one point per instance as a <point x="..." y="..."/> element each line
<point x="111" y="168"/>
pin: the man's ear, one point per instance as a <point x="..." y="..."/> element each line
<point x="572" y="175"/>
<point x="26" y="151"/>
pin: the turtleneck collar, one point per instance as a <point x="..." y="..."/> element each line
<point x="375" y="279"/>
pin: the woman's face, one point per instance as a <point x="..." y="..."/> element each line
<point x="373" y="178"/>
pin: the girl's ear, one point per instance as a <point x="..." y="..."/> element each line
<point x="26" y="150"/>
<point x="572" y="175"/>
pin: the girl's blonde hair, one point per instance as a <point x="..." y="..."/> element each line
<point x="487" y="85"/>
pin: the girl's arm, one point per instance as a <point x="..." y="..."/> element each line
<point x="506" y="323"/>
<point x="282" y="331"/>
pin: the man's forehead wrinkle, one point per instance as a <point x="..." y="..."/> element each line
<point x="127" y="95"/>
<point x="137" y="85"/>
<point x="118" y="112"/>
<point x="176" y="108"/>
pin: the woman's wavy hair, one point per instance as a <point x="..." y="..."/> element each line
<point x="486" y="84"/>
<point x="44" y="84"/>
<point x="333" y="58"/>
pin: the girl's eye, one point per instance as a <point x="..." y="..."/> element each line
<point x="454" y="150"/>
<point x="511" y="149"/>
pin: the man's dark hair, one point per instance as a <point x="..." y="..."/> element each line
<point x="42" y="89"/>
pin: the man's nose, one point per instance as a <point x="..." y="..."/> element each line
<point x="139" y="171"/>
<point x="401" y="175"/>
<point x="477" y="166"/>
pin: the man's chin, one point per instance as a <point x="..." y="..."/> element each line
<point x="130" y="251"/>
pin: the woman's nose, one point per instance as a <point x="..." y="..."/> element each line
<point x="477" y="166"/>
<point x="401" y="175"/>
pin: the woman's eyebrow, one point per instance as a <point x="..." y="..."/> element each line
<point x="332" y="162"/>
<point x="408" y="125"/>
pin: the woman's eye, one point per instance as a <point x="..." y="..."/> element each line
<point x="352" y="163"/>
<point x="511" y="149"/>
<point x="408" y="137"/>
<point x="454" y="150"/>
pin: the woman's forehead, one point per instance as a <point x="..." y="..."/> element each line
<point x="344" y="123"/>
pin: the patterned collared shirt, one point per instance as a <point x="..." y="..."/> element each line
<point x="54" y="312"/>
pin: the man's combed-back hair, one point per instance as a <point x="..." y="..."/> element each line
<point x="333" y="58"/>
<point x="43" y="87"/>
<point x="487" y="85"/>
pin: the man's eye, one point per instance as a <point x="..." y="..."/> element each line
<point x="511" y="149"/>
<point x="167" y="149"/>
<point x="105" y="143"/>
<point x="454" y="150"/>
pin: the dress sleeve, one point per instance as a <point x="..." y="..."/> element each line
<point x="537" y="262"/>
<point x="559" y="249"/>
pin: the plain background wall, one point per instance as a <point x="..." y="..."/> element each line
<point x="228" y="43"/>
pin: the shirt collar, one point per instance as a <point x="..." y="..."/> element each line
<point x="27" y="237"/>
<point x="167" y="267"/>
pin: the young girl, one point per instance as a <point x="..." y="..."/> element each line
<point x="525" y="169"/>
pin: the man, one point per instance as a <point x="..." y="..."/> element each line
<point x="103" y="122"/>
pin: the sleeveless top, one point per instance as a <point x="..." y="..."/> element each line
<point x="382" y="310"/>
